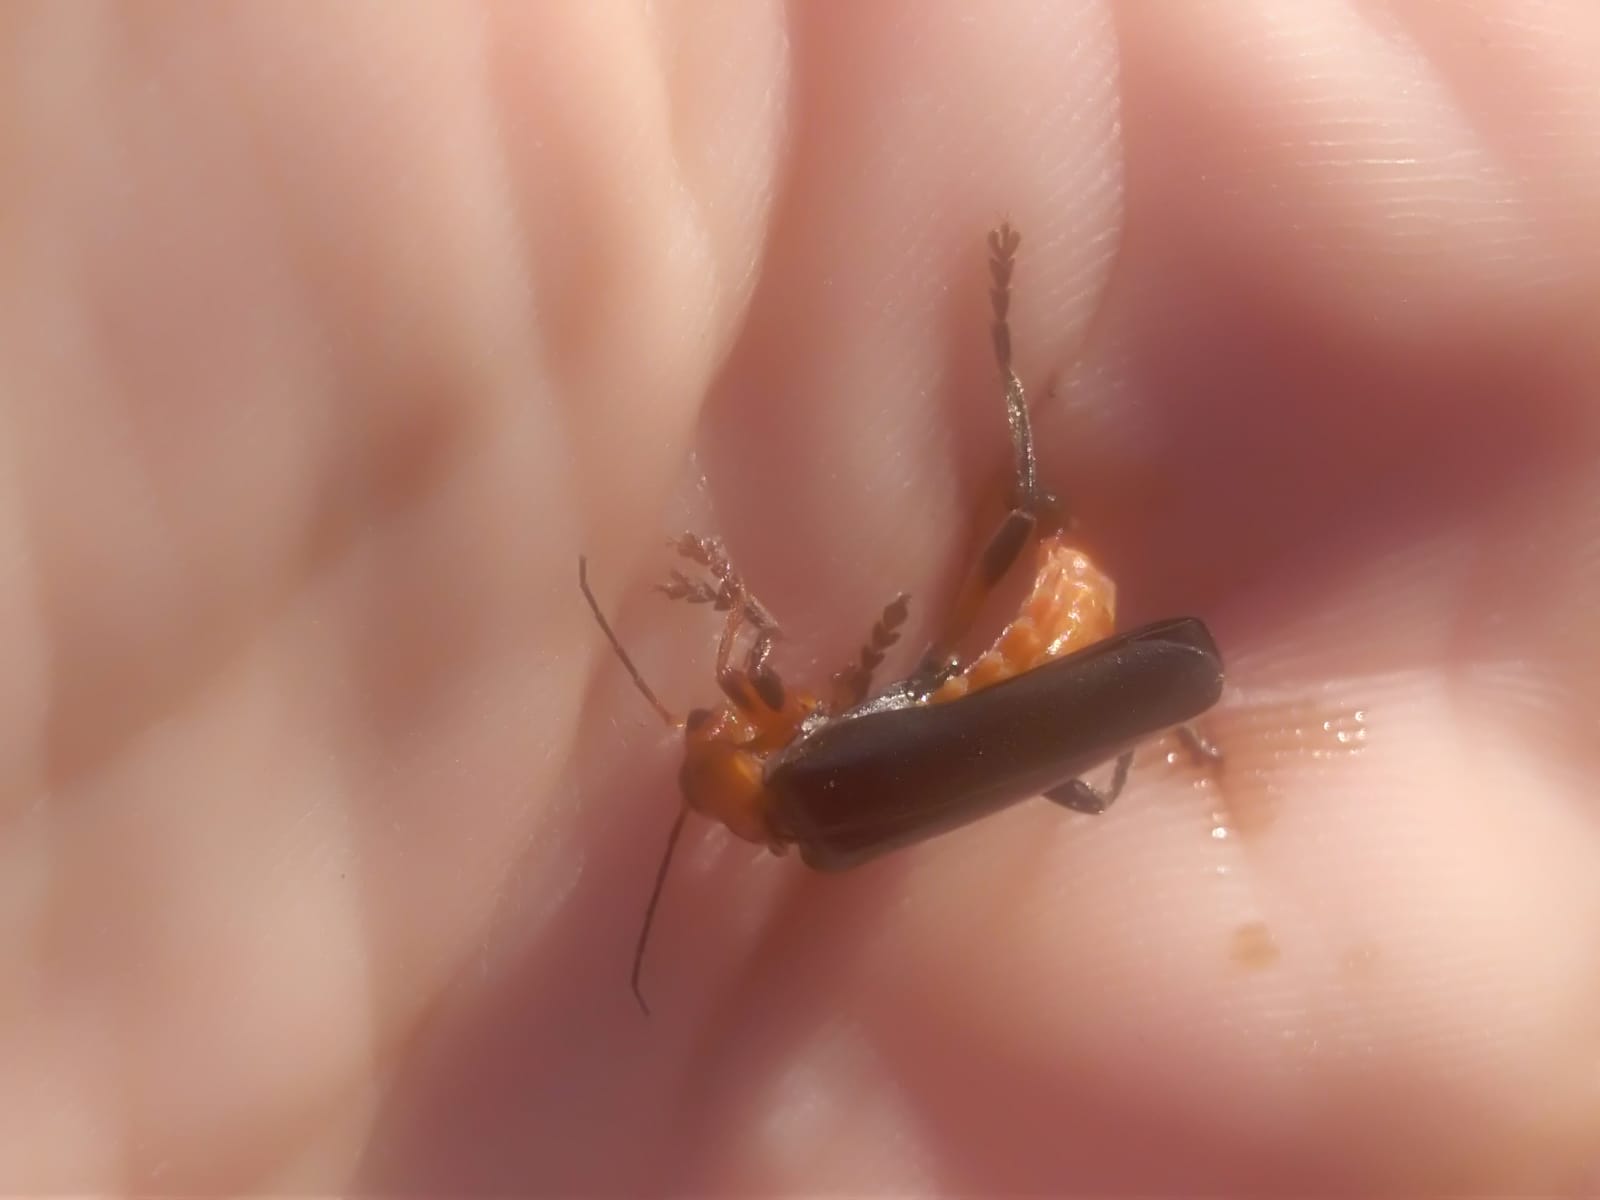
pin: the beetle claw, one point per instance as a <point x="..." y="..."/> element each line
<point x="1079" y="797"/>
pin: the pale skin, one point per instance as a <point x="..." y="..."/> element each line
<point x="330" y="337"/>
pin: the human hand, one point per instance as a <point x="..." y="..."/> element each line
<point x="331" y="342"/>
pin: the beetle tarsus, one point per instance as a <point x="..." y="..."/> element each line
<point x="1085" y="798"/>
<point x="1201" y="749"/>
<point x="692" y="591"/>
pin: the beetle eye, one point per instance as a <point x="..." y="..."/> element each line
<point x="696" y="718"/>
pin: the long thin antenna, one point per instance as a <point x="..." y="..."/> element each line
<point x="638" y="680"/>
<point x="650" y="909"/>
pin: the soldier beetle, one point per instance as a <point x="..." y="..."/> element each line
<point x="849" y="775"/>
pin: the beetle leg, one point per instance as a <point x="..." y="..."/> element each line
<point x="705" y="550"/>
<point x="1034" y="510"/>
<point x="727" y="595"/>
<point x="850" y="685"/>
<point x="998" y="558"/>
<point x="1201" y="748"/>
<point x="1027" y="493"/>
<point x="755" y="659"/>
<point x="693" y="591"/>
<point x="731" y="625"/>
<point x="1082" y="797"/>
<point x="755" y="689"/>
<point x="745" y="610"/>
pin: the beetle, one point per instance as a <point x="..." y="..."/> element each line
<point x="850" y="775"/>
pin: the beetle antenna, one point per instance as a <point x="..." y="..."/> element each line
<point x="605" y="628"/>
<point x="650" y="909"/>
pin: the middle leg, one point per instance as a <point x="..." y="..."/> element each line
<point x="1034" y="510"/>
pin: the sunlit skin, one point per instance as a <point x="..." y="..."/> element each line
<point x="331" y="335"/>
